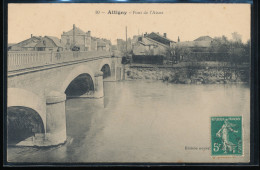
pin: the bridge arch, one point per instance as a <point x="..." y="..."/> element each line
<point x="26" y="109"/>
<point x="76" y="72"/>
<point x="83" y="84"/>
<point x="105" y="67"/>
<point x="106" y="71"/>
<point x="22" y="123"/>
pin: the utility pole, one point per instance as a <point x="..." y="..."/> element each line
<point x="126" y="40"/>
<point x="73" y="34"/>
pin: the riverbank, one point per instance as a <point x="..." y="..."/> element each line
<point x="184" y="73"/>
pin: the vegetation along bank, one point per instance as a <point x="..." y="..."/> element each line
<point x="190" y="73"/>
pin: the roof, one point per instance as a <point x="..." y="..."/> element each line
<point x="146" y="44"/>
<point x="195" y="43"/>
<point x="204" y="38"/>
<point x="78" y="31"/>
<point x="165" y="45"/>
<point x="11" y="44"/>
<point x="49" y="42"/>
<point x="32" y="42"/>
<point x="30" y="45"/>
<point x="55" y="40"/>
<point x="40" y="44"/>
<point x="27" y="41"/>
<point x="159" y="38"/>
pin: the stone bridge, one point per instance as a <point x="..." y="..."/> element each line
<point x="39" y="84"/>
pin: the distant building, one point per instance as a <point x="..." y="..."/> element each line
<point x="108" y="43"/>
<point x="198" y="45"/>
<point x="10" y="46"/>
<point x="19" y="46"/>
<point x="113" y="47"/>
<point x="77" y="37"/>
<point x="47" y="43"/>
<point x="121" y="45"/>
<point x="103" y="45"/>
<point x="151" y="44"/>
<point x="83" y="40"/>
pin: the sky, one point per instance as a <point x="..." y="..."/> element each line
<point x="188" y="21"/>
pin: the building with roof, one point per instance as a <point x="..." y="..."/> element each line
<point x="83" y="40"/>
<point x="76" y="37"/>
<point x="151" y="44"/>
<point x="200" y="44"/>
<point x="103" y="45"/>
<point x="204" y="38"/>
<point x="46" y="43"/>
<point x="33" y="40"/>
<point x="10" y="46"/>
<point x="49" y="43"/>
<point x="108" y="44"/>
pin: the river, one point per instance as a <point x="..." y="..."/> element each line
<point x="142" y="121"/>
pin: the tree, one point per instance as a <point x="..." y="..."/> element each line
<point x="177" y="53"/>
<point x="247" y="52"/>
<point x="170" y="53"/>
<point x="236" y="37"/>
<point x="219" y="45"/>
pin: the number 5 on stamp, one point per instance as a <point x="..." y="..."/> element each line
<point x="226" y="136"/>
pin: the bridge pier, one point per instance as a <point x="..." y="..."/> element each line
<point x="119" y="73"/>
<point x="99" y="88"/>
<point x="55" y="118"/>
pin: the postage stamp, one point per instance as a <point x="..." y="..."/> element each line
<point x="226" y="136"/>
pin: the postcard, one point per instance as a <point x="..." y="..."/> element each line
<point x="128" y="83"/>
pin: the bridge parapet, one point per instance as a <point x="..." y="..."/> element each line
<point x="23" y="60"/>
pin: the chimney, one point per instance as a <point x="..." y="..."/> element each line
<point x="31" y="35"/>
<point x="89" y="33"/>
<point x="178" y="39"/>
<point x="164" y="35"/>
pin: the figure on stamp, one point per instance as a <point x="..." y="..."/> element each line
<point x="224" y="134"/>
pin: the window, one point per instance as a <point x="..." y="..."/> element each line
<point x="40" y="49"/>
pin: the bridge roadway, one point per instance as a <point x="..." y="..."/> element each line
<point x="41" y="81"/>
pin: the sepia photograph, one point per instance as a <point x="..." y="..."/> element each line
<point x="128" y="83"/>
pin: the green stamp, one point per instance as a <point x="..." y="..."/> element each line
<point x="226" y="136"/>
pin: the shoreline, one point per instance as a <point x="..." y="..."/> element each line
<point x="188" y="74"/>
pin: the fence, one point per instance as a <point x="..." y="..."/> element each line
<point x="23" y="60"/>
